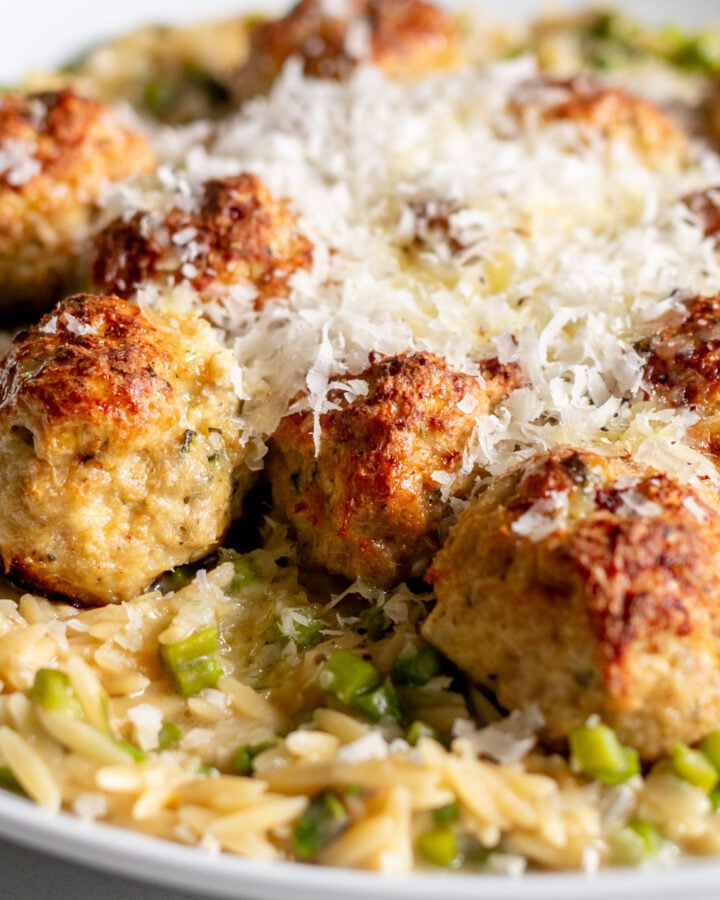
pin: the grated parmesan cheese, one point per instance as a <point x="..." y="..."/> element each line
<point x="563" y="289"/>
<point x="544" y="517"/>
<point x="50" y="327"/>
<point x="349" y="162"/>
<point x="506" y="741"/>
<point x="633" y="503"/>
<point x="370" y="746"/>
<point x="75" y="326"/>
<point x="691" y="504"/>
<point x="90" y="805"/>
<point x="147" y="720"/>
<point x="18" y="163"/>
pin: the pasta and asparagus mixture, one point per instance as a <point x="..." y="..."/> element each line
<point x="360" y="438"/>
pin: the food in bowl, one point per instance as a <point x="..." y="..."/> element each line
<point x="362" y="507"/>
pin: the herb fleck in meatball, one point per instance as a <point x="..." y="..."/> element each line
<point x="587" y="585"/>
<point x="612" y="113"/>
<point x="234" y="233"/>
<point x="405" y="37"/>
<point x="119" y="448"/>
<point x="682" y="365"/>
<point x="57" y="152"/>
<point x="369" y="504"/>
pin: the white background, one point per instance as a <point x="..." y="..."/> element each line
<point x="36" y="32"/>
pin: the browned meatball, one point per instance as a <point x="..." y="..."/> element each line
<point x="587" y="585"/>
<point x="611" y="112"/>
<point x="237" y="233"/>
<point x="405" y="37"/>
<point x="57" y="151"/>
<point x="683" y="362"/>
<point x="705" y="206"/>
<point x="368" y="505"/>
<point x="120" y="450"/>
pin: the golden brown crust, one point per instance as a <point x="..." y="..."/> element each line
<point x="613" y="113"/>
<point x="642" y="572"/>
<point x="239" y="232"/>
<point x="683" y="355"/>
<point x="120" y="451"/>
<point x="405" y="37"/>
<point x="368" y="504"/>
<point x="57" y="151"/>
<point x="93" y="360"/>
<point x="682" y="364"/>
<point x="587" y="585"/>
<point x="705" y="206"/>
<point x="63" y="128"/>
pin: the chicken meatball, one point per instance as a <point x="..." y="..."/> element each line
<point x="57" y="152"/>
<point x="369" y="504"/>
<point x="614" y="114"/>
<point x="233" y="234"/>
<point x="589" y="586"/>
<point x="120" y="452"/>
<point x="682" y="364"/>
<point x="405" y="37"/>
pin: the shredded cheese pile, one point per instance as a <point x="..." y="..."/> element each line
<point x="559" y="250"/>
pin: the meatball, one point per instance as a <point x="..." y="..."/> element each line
<point x="589" y="586"/>
<point x="368" y="504"/>
<point x="405" y="37"/>
<point x="234" y="233"/>
<point x="120" y="452"/>
<point x="682" y="364"/>
<point x="615" y="114"/>
<point x="705" y="206"/>
<point x="57" y="152"/>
